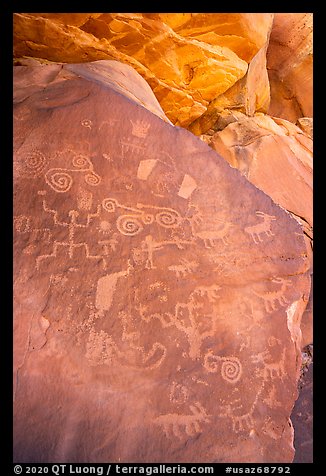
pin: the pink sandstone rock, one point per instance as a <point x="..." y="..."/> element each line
<point x="157" y="293"/>
<point x="290" y="66"/>
<point x="276" y="156"/>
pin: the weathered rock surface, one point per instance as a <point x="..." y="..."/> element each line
<point x="290" y="66"/>
<point x="302" y="417"/>
<point x="157" y="293"/>
<point x="249" y="95"/>
<point x="189" y="60"/>
<point x="276" y="156"/>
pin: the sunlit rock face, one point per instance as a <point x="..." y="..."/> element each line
<point x="290" y="66"/>
<point x="189" y="60"/>
<point x="158" y="293"/>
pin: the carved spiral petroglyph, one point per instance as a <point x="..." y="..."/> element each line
<point x="34" y="164"/>
<point x="81" y="162"/>
<point x="109" y="204"/>
<point x="59" y="181"/>
<point x="129" y="225"/>
<point x="231" y="369"/>
<point x="92" y="179"/>
<point x="168" y="218"/>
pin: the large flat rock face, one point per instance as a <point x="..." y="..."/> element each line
<point x="157" y="293"/>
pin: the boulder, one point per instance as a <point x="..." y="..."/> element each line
<point x="188" y="60"/>
<point x="157" y="292"/>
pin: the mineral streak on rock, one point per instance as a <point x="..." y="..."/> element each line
<point x="155" y="286"/>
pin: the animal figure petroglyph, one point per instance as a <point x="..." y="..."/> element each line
<point x="219" y="230"/>
<point x="239" y="422"/>
<point x="211" y="236"/>
<point x="185" y="267"/>
<point x="149" y="246"/>
<point x="244" y="421"/>
<point x="270" y="298"/>
<point x="264" y="227"/>
<point x="211" y="292"/>
<point x="271" y="369"/>
<point x="175" y="424"/>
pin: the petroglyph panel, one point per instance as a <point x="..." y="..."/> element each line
<point x="164" y="279"/>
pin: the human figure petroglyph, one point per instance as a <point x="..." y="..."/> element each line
<point x="270" y="370"/>
<point x="61" y="181"/>
<point x="230" y="368"/>
<point x="185" y="267"/>
<point x="180" y="425"/>
<point x="271" y="298"/>
<point x="264" y="227"/>
<point x="72" y="225"/>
